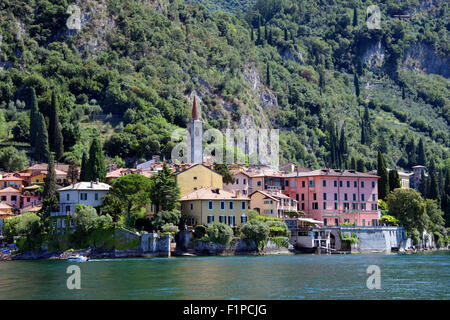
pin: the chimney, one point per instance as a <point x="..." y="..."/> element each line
<point x="96" y="181"/>
<point x="92" y="184"/>
<point x="217" y="191"/>
<point x="298" y="170"/>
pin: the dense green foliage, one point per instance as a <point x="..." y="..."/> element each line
<point x="257" y="231"/>
<point x="164" y="193"/>
<point x="220" y="233"/>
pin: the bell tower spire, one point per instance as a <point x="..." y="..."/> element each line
<point x="195" y="128"/>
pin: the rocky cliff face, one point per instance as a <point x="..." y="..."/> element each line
<point x="422" y="58"/>
<point x="373" y="55"/>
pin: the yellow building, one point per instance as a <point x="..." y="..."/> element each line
<point x="197" y="177"/>
<point x="208" y="205"/>
<point x="61" y="177"/>
<point x="272" y="204"/>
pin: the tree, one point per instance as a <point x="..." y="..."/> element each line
<point x="21" y="131"/>
<point x="360" y="166"/>
<point x="394" y="180"/>
<point x="268" y="76"/>
<point x="383" y="182"/>
<point x="50" y="178"/>
<point x="220" y="233"/>
<point x="252" y="37"/>
<point x="432" y="189"/>
<point x="34" y="117"/>
<point x="96" y="168"/>
<point x="343" y="148"/>
<point x="41" y="149"/>
<point x="72" y="173"/>
<point x="12" y="160"/>
<point x="133" y="190"/>
<point x="165" y="192"/>
<point x="54" y="129"/>
<point x="409" y="208"/>
<point x="227" y="176"/>
<point x="87" y="220"/>
<point x="256" y="230"/>
<point x="356" y="83"/>
<point x="84" y="166"/>
<point x="166" y="217"/>
<point x="411" y="153"/>
<point x="446" y="198"/>
<point x="421" y="159"/>
<point x="355" y="16"/>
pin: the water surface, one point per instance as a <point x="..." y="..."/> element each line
<point x="403" y="276"/>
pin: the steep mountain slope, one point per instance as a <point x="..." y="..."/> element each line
<point x="130" y="73"/>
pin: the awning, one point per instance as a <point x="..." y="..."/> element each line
<point x="309" y="220"/>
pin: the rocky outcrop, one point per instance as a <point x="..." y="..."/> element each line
<point x="373" y="55"/>
<point x="290" y="53"/>
<point x="420" y="57"/>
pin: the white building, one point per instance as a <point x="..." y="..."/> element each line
<point x="85" y="193"/>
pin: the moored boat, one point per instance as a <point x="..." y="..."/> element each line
<point x="77" y="258"/>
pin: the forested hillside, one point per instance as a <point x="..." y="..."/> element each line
<point x="338" y="91"/>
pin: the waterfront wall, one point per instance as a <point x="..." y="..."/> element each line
<point x="241" y="247"/>
<point x="373" y="239"/>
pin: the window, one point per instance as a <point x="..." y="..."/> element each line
<point x="335" y="183"/>
<point x="355" y="184"/>
<point x="297" y="197"/>
<point x="311" y="183"/>
<point x="324" y="206"/>
<point x="340" y="183"/>
<point x="303" y="197"/>
<point x="243" y="219"/>
<point x="314" y="196"/>
<point x="294" y="184"/>
<point x="222" y="205"/>
<point x="303" y="206"/>
<point x="324" y="196"/>
<point x="83" y="196"/>
<point x="68" y="197"/>
<point x="243" y="205"/>
<point x="13" y="198"/>
<point x="210" y="205"/>
<point x="303" y="184"/>
<point x="362" y="197"/>
<point x="195" y="178"/>
<point x="210" y="219"/>
<point x="315" y="205"/>
<point x="335" y="197"/>
<point x="354" y="197"/>
<point x="363" y="206"/>
<point x="336" y="222"/>
<point x="345" y="197"/>
<point x="347" y="220"/>
<point x="362" y="184"/>
<point x="237" y="181"/>
<point x="3" y="198"/>
<point x="346" y="206"/>
<point x="231" y="221"/>
<point x="259" y="183"/>
<point x="96" y="197"/>
<point x="286" y="183"/>
<point x="222" y="219"/>
<point x="324" y="183"/>
<point x="28" y="199"/>
<point x="373" y="184"/>
<point x="374" y="222"/>
<point x="244" y="181"/>
<point x="373" y="197"/>
<point x="192" y="206"/>
<point x="354" y="206"/>
<point x="335" y="206"/>
<point x="67" y="209"/>
<point x="324" y="222"/>
<point x="363" y="222"/>
<point x="348" y="184"/>
<point x="231" y="205"/>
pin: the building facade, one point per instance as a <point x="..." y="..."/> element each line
<point x="335" y="196"/>
<point x="208" y="205"/>
<point x="197" y="177"/>
<point x="272" y="203"/>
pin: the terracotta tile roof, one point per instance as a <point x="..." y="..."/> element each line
<point x="272" y="195"/>
<point x="9" y="190"/>
<point x="31" y="209"/>
<point x="4" y="205"/>
<point x="331" y="173"/>
<point x="11" y="178"/>
<point x="211" y="194"/>
<point x="195" y="165"/>
<point x="43" y="166"/>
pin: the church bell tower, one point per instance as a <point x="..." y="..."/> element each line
<point x="195" y="128"/>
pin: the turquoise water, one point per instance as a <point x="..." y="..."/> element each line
<point x="412" y="276"/>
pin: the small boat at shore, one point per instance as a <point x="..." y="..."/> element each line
<point x="77" y="258"/>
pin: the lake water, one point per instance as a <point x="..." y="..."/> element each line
<point x="403" y="276"/>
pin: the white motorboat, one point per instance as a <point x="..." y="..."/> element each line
<point x="77" y="258"/>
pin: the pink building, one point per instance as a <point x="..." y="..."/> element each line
<point x="335" y="196"/>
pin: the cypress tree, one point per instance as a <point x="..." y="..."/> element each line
<point x="355" y="17"/>
<point x="266" y="37"/>
<point x="84" y="166"/>
<point x="403" y="93"/>
<point x="270" y="37"/>
<point x="41" y="149"/>
<point x="360" y="166"/>
<point x="446" y="198"/>
<point x="54" y="129"/>
<point x="433" y="189"/>
<point x="50" y="179"/>
<point x="259" y="31"/>
<point x="252" y="36"/>
<point x="343" y="148"/>
<point x="34" y="116"/>
<point x="356" y="83"/>
<point x="165" y="191"/>
<point x="421" y="153"/>
<point x="268" y="75"/>
<point x="383" y="182"/>
<point x="333" y="145"/>
<point x="411" y="153"/>
<point x="353" y="163"/>
<point x="394" y="180"/>
<point x="285" y="35"/>
<point x="96" y="168"/>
